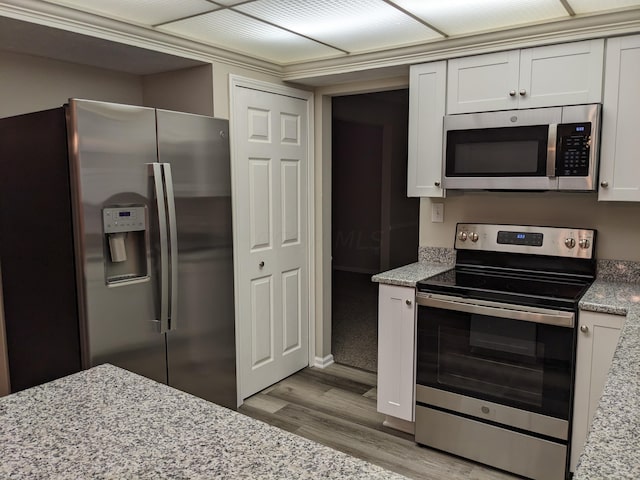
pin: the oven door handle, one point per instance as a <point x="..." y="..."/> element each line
<point x="495" y="309"/>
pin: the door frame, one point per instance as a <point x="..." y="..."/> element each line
<point x="235" y="82"/>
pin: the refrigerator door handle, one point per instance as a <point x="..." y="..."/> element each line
<point x="164" y="248"/>
<point x="173" y="247"/>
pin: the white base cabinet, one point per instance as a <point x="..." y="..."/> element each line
<point x="597" y="340"/>
<point x="396" y="351"/>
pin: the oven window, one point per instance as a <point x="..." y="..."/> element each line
<point x="520" y="364"/>
<point x="510" y="151"/>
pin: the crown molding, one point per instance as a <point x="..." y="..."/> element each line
<point x="323" y="72"/>
<point x="72" y="20"/>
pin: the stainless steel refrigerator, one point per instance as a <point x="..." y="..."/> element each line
<point x="127" y="256"/>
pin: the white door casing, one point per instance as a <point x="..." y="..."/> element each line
<point x="270" y="139"/>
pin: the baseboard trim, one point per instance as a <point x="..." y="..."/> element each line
<point x="321" y="362"/>
<point x="399" y="424"/>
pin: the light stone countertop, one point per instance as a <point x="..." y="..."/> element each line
<point x="612" y="450"/>
<point x="408" y="275"/>
<point x="108" y="423"/>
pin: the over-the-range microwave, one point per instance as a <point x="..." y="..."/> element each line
<point x="555" y="148"/>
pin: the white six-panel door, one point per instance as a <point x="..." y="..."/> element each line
<point x="270" y="163"/>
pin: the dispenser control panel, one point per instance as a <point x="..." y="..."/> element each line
<point x="123" y="219"/>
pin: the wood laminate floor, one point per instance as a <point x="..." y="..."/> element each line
<point x="336" y="406"/>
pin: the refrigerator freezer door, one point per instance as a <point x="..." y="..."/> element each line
<point x="110" y="146"/>
<point x="201" y="351"/>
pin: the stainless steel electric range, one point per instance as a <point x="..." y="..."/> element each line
<point x="496" y="339"/>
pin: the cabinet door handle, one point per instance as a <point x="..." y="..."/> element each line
<point x="437" y="184"/>
<point x="584" y="328"/>
<point x="261" y="265"/>
<point x="523" y="92"/>
<point x="512" y="93"/>
<point x="604" y="184"/>
<point x="408" y="302"/>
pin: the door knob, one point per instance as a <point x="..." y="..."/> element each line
<point x="261" y="264"/>
<point x="437" y="184"/>
<point x="604" y="184"/>
<point x="584" y="328"/>
<point x="408" y="302"/>
<point x="523" y="92"/>
<point x="512" y="93"/>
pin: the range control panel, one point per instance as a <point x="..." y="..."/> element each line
<point x="123" y="219"/>
<point x="553" y="241"/>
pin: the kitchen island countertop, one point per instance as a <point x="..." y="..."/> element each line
<point x="106" y="422"/>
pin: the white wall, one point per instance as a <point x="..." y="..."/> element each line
<point x="618" y="223"/>
<point x="186" y="90"/>
<point x="29" y="84"/>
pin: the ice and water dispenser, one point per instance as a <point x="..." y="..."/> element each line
<point x="125" y="231"/>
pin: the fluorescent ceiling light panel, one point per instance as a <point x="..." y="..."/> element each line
<point x="143" y="12"/>
<point x="599" y="6"/>
<point x="461" y="17"/>
<point x="236" y="32"/>
<point x="351" y="25"/>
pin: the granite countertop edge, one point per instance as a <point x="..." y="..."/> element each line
<point x="409" y="275"/>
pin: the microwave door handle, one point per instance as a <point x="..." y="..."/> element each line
<point x="173" y="248"/>
<point x="157" y="171"/>
<point x="551" y="150"/>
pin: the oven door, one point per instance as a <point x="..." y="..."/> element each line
<point x="519" y="357"/>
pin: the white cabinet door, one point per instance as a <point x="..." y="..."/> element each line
<point x="483" y="82"/>
<point x="597" y="341"/>
<point x="565" y="74"/>
<point x="427" y="90"/>
<point x="620" y="142"/>
<point x="396" y="351"/>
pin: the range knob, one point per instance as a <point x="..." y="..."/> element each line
<point x="584" y="243"/>
<point x="473" y="236"/>
<point x="570" y="242"/>
<point x="462" y="236"/>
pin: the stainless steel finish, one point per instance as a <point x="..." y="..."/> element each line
<point x="261" y="264"/>
<point x="584" y="113"/>
<point x="523" y="92"/>
<point x="473" y="236"/>
<point x="109" y="147"/>
<point x="512" y="451"/>
<point x="552" y="139"/>
<point x="553" y="239"/>
<point x="506" y="118"/>
<point x="584" y="243"/>
<point x="570" y="242"/>
<point x="156" y="168"/>
<point x="536" y="116"/>
<point x="408" y="302"/>
<point x="173" y="247"/>
<point x="462" y="236"/>
<point x="512" y="93"/>
<point x="584" y="328"/>
<point x="494" y="412"/>
<point x="604" y="184"/>
<point x="201" y="352"/>
<point x="497" y="309"/>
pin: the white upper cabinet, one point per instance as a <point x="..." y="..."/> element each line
<point x="427" y="92"/>
<point x="565" y="74"/>
<point x="620" y="142"/>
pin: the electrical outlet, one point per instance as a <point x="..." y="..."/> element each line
<point x="437" y="212"/>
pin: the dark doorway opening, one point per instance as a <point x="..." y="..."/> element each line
<point x="374" y="224"/>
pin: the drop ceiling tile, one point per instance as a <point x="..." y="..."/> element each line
<point x="354" y="25"/>
<point x="599" y="6"/>
<point x="144" y="12"/>
<point x="239" y="33"/>
<point x="461" y="17"/>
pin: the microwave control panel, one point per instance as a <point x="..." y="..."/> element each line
<point x="573" y="149"/>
